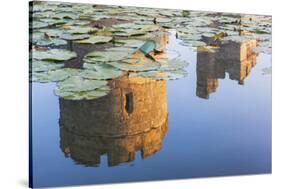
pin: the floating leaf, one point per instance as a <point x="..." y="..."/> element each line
<point x="75" y="36"/>
<point x="96" y="40"/>
<point x="163" y="20"/>
<point x="52" y="32"/>
<point x="161" y="75"/>
<point x="135" y="65"/>
<point x="42" y="66"/>
<point x="130" y="43"/>
<point x="83" y="95"/>
<point x="172" y="65"/>
<point x="79" y="30"/>
<point x="100" y="71"/>
<point x="38" y="24"/>
<point x="53" y="75"/>
<point x="106" y="56"/>
<point x="53" y="54"/>
<point x="78" y="84"/>
<point x="50" y="41"/>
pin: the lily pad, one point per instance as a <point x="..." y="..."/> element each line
<point x="68" y="36"/>
<point x="136" y="65"/>
<point x="161" y="75"/>
<point x="83" y="95"/>
<point x="173" y="65"/>
<point x="79" y="29"/>
<point x="79" y="84"/>
<point x="38" y="24"/>
<point x="96" y="40"/>
<point x="106" y="56"/>
<point x="130" y="43"/>
<point x="54" y="75"/>
<point x="43" y="66"/>
<point x="50" y="41"/>
<point x="53" y="55"/>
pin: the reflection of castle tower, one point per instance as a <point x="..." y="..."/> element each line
<point x="237" y="59"/>
<point x="132" y="117"/>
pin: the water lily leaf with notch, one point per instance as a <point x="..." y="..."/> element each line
<point x="79" y="84"/>
<point x="53" y="55"/>
<point x="96" y="40"/>
<point x="43" y="66"/>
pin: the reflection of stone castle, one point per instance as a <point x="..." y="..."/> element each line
<point x="132" y="117"/>
<point x="237" y="59"/>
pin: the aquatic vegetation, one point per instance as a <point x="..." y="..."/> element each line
<point x="53" y="55"/>
<point x="112" y="41"/>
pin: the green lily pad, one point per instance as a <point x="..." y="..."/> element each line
<point x="53" y="55"/>
<point x="65" y="15"/>
<point x="130" y="43"/>
<point x="79" y="84"/>
<point x="54" y="75"/>
<point x="163" y="20"/>
<point x="136" y="65"/>
<point x="80" y="30"/>
<point x="161" y="75"/>
<point x="106" y="56"/>
<point x="50" y="41"/>
<point x="173" y="65"/>
<point x="83" y="95"/>
<point x="38" y="24"/>
<point x="43" y="66"/>
<point x="52" y="32"/>
<point x="68" y="36"/>
<point x="96" y="40"/>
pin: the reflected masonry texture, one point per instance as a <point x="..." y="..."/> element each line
<point x="111" y="124"/>
<point x="236" y="59"/>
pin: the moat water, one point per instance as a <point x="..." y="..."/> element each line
<point x="218" y="124"/>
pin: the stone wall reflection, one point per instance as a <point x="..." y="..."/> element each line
<point x="236" y="59"/>
<point x="132" y="117"/>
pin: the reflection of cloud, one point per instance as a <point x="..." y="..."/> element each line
<point x="132" y="117"/>
<point x="236" y="59"/>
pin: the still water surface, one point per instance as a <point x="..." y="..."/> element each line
<point x="214" y="122"/>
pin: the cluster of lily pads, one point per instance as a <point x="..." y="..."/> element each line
<point x="130" y="37"/>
